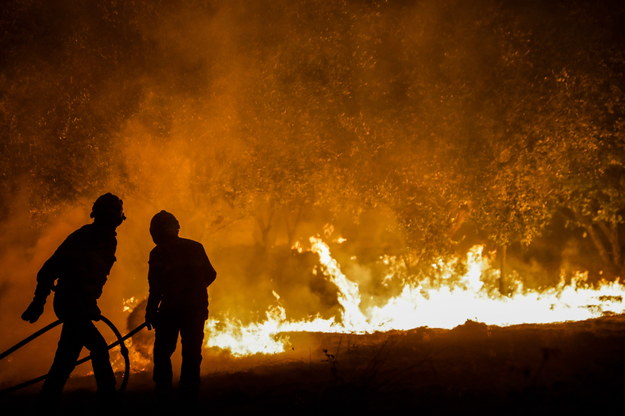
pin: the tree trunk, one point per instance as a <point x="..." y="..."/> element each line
<point x="502" y="275"/>
<point x="602" y="247"/>
<point x="605" y="237"/>
<point x="264" y="226"/>
<point x="291" y="227"/>
<point x="611" y="233"/>
<point x="407" y="264"/>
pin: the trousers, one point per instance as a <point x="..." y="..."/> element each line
<point x="76" y="334"/>
<point x="191" y="330"/>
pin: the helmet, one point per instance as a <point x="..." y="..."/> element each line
<point x="164" y="224"/>
<point x="108" y="208"/>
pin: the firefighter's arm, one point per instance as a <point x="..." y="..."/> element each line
<point x="155" y="292"/>
<point x="46" y="276"/>
<point x="151" y="310"/>
<point x="206" y="268"/>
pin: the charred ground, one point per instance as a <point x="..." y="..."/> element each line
<point x="573" y="368"/>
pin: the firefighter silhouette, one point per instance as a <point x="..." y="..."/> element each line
<point x="80" y="266"/>
<point x="179" y="275"/>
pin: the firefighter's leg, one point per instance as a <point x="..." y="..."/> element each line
<point x="192" y="336"/>
<point x="100" y="359"/>
<point x="65" y="358"/>
<point x="166" y="337"/>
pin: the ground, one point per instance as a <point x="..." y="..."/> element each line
<point x="566" y="368"/>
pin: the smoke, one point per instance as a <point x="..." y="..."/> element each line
<point x="256" y="123"/>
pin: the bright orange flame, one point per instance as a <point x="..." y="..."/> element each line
<point x="129" y="304"/>
<point x="427" y="303"/>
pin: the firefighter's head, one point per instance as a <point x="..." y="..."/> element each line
<point x="108" y="209"/>
<point x="163" y="227"/>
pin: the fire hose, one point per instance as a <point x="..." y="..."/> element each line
<point x="120" y="342"/>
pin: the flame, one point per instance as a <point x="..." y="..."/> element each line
<point x="140" y="356"/>
<point x="139" y="362"/>
<point x="129" y="304"/>
<point x="443" y="301"/>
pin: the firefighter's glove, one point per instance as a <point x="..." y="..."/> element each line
<point x="95" y="313"/>
<point x="34" y="310"/>
<point x="151" y="318"/>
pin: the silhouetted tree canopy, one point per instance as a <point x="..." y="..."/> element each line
<point x="491" y="115"/>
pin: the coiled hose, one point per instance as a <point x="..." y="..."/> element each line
<point x="120" y="342"/>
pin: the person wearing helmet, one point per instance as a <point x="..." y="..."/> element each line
<point x="80" y="266"/>
<point x="178" y="277"/>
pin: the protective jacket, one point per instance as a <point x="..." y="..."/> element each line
<point x="81" y="264"/>
<point x="178" y="276"/>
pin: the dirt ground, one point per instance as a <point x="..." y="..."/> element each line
<point x="568" y="368"/>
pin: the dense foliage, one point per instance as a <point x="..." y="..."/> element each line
<point x="485" y="119"/>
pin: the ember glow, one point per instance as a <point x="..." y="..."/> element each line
<point x="432" y="303"/>
<point x="130" y="303"/>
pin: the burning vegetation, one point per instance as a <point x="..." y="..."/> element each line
<point x="351" y="167"/>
